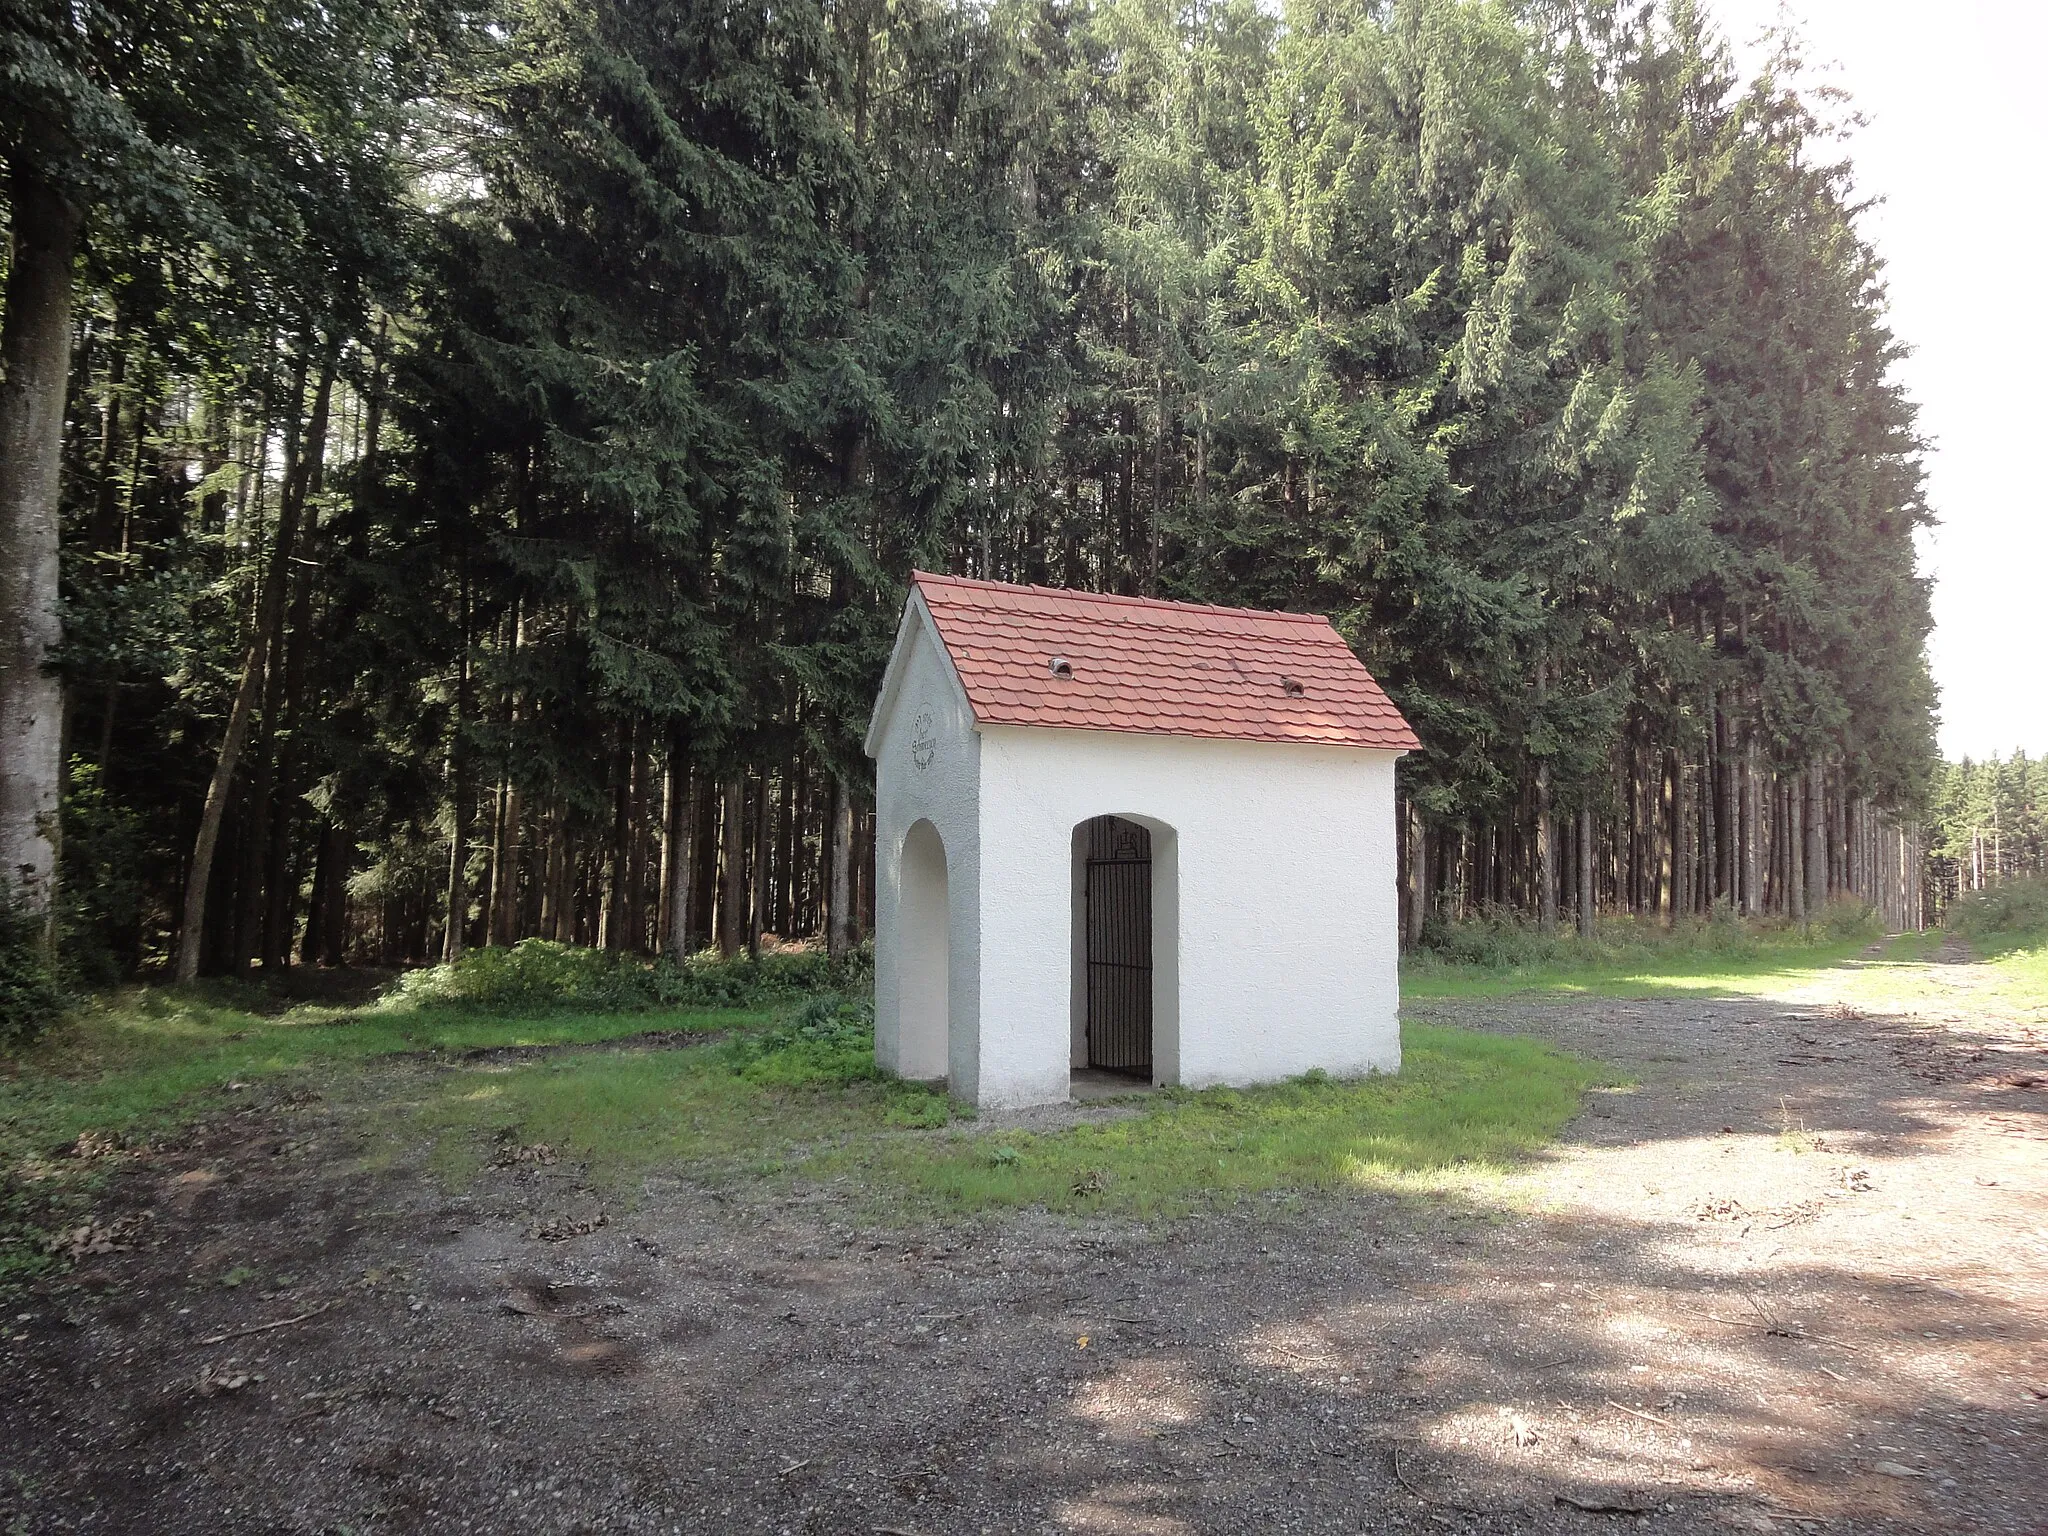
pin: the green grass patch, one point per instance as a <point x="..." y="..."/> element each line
<point x="136" y="1063"/>
<point x="1465" y="1107"/>
<point x="1631" y="957"/>
<point x="2022" y="978"/>
<point x="132" y="1062"/>
<point x="624" y="1114"/>
<point x="790" y="1093"/>
<point x="744" y="1104"/>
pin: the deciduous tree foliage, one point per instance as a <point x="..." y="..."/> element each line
<point x="538" y="486"/>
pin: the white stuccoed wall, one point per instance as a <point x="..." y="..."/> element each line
<point x="1287" y="933"/>
<point x="1274" y="870"/>
<point x="943" y="793"/>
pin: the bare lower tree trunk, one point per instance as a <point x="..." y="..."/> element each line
<point x="1585" y="872"/>
<point x="35" y="365"/>
<point x="453" y="939"/>
<point x="612" y="913"/>
<point x="1546" y="853"/>
<point x="561" y="878"/>
<point x="1816" y="842"/>
<point x="323" y="859"/>
<point x="757" y="871"/>
<point x="1418" y="875"/>
<point x="732" y="838"/>
<point x="839" y="917"/>
<point x="326" y="928"/>
<point x="1752" y="831"/>
<point x="636" y="843"/>
<point x="682" y="861"/>
<point x="270" y="610"/>
<point x="503" y="927"/>
<point x="1795" y="849"/>
<point x="1710" y="851"/>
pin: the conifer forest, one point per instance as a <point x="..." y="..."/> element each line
<point x="461" y="460"/>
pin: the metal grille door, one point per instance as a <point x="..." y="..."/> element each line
<point x="1119" y="877"/>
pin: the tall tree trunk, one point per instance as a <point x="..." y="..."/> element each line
<point x="1666" y="791"/>
<point x="612" y="921"/>
<point x="732" y="838"/>
<point x="863" y="874"/>
<point x="35" y="367"/>
<point x="1752" y="829"/>
<point x="784" y="914"/>
<point x="635" y="938"/>
<point x="494" y="865"/>
<point x="255" y="669"/>
<point x="1816" y="841"/>
<point x="558" y="921"/>
<point x="106" y="520"/>
<point x="1418" y="874"/>
<point x="1546" y="853"/>
<point x="1710" y="852"/>
<point x="281" y="888"/>
<point x="1586" y="872"/>
<point x="757" y="907"/>
<point x="326" y="926"/>
<point x="455" y="935"/>
<point x="1795" y="849"/>
<point x="505" y="884"/>
<point x="324" y="854"/>
<point x="682" y="831"/>
<point x="839" y="916"/>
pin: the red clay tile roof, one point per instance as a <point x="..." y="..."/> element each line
<point x="1138" y="664"/>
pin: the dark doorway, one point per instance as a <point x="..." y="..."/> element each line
<point x="1119" y="893"/>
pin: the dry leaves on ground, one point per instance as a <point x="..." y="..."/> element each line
<point x="560" y="1229"/>
<point x="116" y="1236"/>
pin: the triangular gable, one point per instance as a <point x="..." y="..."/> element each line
<point x="916" y="622"/>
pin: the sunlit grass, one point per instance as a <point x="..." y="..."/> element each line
<point x="139" y="1062"/>
<point x="1654" y="975"/>
<point x="620" y="1115"/>
<point x="130" y="1062"/>
<point x="1463" y="1110"/>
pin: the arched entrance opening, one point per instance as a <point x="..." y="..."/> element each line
<point x="925" y="977"/>
<point x="1126" y="983"/>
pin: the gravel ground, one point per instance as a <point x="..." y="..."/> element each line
<point x="1793" y="1279"/>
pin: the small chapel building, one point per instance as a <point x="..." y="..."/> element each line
<point x="1119" y="835"/>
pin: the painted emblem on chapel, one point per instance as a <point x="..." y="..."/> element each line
<point x="924" y="742"/>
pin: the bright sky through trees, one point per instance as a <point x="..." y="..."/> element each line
<point x="1954" y="146"/>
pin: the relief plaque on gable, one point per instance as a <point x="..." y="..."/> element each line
<point x="924" y="741"/>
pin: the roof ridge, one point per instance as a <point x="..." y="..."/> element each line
<point x="1074" y="593"/>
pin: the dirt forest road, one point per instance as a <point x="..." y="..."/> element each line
<point x="1796" y="1280"/>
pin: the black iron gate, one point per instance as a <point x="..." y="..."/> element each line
<point x="1119" y="875"/>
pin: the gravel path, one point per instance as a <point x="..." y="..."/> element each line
<point x="1793" y="1279"/>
